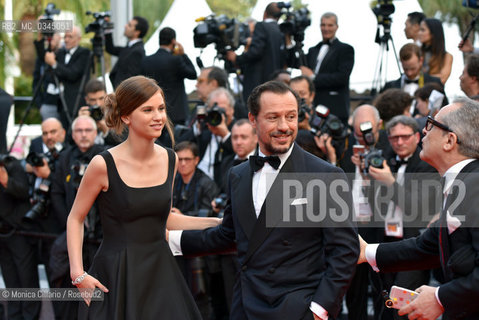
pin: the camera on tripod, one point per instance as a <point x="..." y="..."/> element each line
<point x="212" y="116"/>
<point x="226" y="34"/>
<point x="100" y="24"/>
<point x="372" y="157"/>
<point x="50" y="11"/>
<point x="295" y="22"/>
<point x="325" y="122"/>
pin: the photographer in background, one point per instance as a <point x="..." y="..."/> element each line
<point x="17" y="254"/>
<point x="65" y="182"/>
<point x="95" y="99"/>
<point x="266" y="53"/>
<point x="170" y="66"/>
<point x="129" y="57"/>
<point x="192" y="195"/>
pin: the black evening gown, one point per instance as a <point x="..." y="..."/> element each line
<point x="134" y="260"/>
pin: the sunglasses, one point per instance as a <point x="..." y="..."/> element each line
<point x="430" y="122"/>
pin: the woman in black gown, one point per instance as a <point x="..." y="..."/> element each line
<point x="132" y="184"/>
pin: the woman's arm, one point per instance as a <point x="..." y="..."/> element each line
<point x="445" y="71"/>
<point x="93" y="182"/>
<point x="181" y="222"/>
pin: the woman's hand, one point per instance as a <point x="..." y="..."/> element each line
<point x="87" y="287"/>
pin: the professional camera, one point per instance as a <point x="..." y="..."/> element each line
<point x="325" y="122"/>
<point x="212" y="116"/>
<point x="303" y="110"/>
<point x="220" y="203"/>
<point x="373" y="157"/>
<point x="5" y="160"/>
<point x="100" y="23"/>
<point x="95" y="112"/>
<point x="226" y="34"/>
<point x="40" y="201"/>
<point x="35" y="159"/>
<point x="50" y="11"/>
<point x="295" y="22"/>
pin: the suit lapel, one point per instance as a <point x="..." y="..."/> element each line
<point x="332" y="48"/>
<point x="260" y="231"/>
<point x="246" y="216"/>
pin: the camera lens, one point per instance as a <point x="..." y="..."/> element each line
<point x="214" y="118"/>
<point x="35" y="159"/>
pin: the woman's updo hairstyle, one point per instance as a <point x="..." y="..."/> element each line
<point x="129" y="95"/>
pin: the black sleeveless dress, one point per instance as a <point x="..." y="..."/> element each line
<point x="134" y="260"/>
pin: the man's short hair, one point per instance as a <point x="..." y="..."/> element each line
<point x="94" y="85"/>
<point x="276" y="87"/>
<point x="328" y="15"/>
<point x="464" y="121"/>
<point x="244" y="121"/>
<point x="392" y="102"/>
<point x="307" y="79"/>
<point x="416" y="17"/>
<point x="141" y="25"/>
<point x="188" y="145"/>
<point x="472" y="66"/>
<point x="218" y="74"/>
<point x="408" y="50"/>
<point x="90" y="119"/>
<point x="272" y="11"/>
<point x="167" y="35"/>
<point x="405" y="121"/>
<point x="221" y="91"/>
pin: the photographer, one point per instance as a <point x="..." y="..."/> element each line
<point x="129" y="57"/>
<point x="170" y="66"/>
<point x="17" y="254"/>
<point x="65" y="182"/>
<point x="265" y="54"/>
<point x="192" y="195"/>
<point x="68" y="65"/>
<point x="212" y="134"/>
<point x="95" y="99"/>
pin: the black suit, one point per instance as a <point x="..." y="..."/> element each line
<point x="129" y="60"/>
<point x="265" y="55"/>
<point x="170" y="71"/>
<point x="399" y="83"/>
<point x="283" y="269"/>
<point x="332" y="80"/>
<point x="456" y="253"/>
<point x="70" y="75"/>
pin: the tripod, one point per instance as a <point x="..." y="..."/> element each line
<point x="36" y="91"/>
<point x="380" y="74"/>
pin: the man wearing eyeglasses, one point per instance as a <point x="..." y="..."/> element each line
<point x="451" y="145"/>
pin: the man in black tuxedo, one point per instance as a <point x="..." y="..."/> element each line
<point x="129" y="57"/>
<point x="287" y="271"/>
<point x="170" y="66"/>
<point x="330" y="63"/>
<point x="265" y="55"/>
<point x="452" y="242"/>
<point x="69" y="65"/>
<point x="413" y="78"/>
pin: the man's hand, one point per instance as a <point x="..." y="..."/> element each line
<point x="179" y="50"/>
<point x="466" y="46"/>
<point x="231" y="56"/>
<point x="3" y="176"/>
<point x="425" y="306"/>
<point x="362" y="253"/>
<point x="383" y="174"/>
<point x="324" y="143"/>
<point x="220" y="130"/>
<point x="84" y="111"/>
<point x="43" y="171"/>
<point x="50" y="58"/>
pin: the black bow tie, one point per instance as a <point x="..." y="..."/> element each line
<point x="407" y="81"/>
<point x="257" y="162"/>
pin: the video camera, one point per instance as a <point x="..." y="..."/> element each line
<point x="383" y="11"/>
<point x="226" y="34"/>
<point x="295" y="22"/>
<point x="372" y="157"/>
<point x="212" y="116"/>
<point x="325" y="122"/>
<point x="98" y="27"/>
<point x="50" y="11"/>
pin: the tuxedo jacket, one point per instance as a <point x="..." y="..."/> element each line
<point x="129" y="60"/>
<point x="70" y="75"/>
<point x="398" y="83"/>
<point x="265" y="55"/>
<point x="332" y="80"/>
<point x="282" y="269"/>
<point x="170" y="71"/>
<point x="457" y="254"/>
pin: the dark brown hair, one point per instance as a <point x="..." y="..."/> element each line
<point x="129" y="95"/>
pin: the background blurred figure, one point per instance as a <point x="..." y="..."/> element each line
<point x="393" y="102"/>
<point x="412" y="25"/>
<point x="470" y="77"/>
<point x="170" y="66"/>
<point x="423" y="107"/>
<point x="129" y="57"/>
<point x="437" y="62"/>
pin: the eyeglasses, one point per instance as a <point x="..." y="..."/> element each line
<point x="185" y="159"/>
<point x="88" y="130"/>
<point x="403" y="137"/>
<point x="430" y="122"/>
